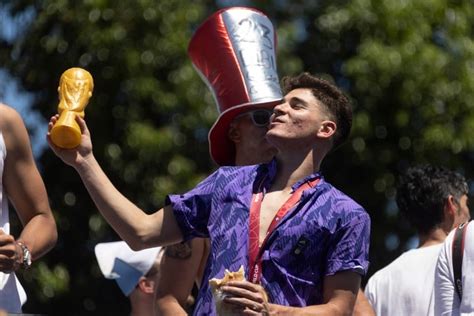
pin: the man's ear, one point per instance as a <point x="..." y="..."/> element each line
<point x="234" y="133"/>
<point x="450" y="209"/>
<point x="327" y="129"/>
<point x="146" y="285"/>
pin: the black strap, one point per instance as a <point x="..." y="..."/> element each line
<point x="458" y="250"/>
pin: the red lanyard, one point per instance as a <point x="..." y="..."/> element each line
<point x="254" y="227"/>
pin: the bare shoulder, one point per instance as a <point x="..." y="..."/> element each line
<point x="9" y="117"/>
<point x="14" y="130"/>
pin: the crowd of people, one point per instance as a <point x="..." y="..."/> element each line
<point x="303" y="244"/>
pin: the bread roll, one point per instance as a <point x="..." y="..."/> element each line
<point x="222" y="308"/>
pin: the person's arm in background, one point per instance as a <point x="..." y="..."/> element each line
<point x="179" y="268"/>
<point x="25" y="189"/>
<point x="139" y="229"/>
<point x="446" y="299"/>
<point x="362" y="306"/>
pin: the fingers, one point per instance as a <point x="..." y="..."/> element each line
<point x="246" y="289"/>
<point x="51" y="123"/>
<point x="8" y="264"/>
<point x="249" y="307"/>
<point x="8" y="253"/>
<point x="249" y="296"/>
<point x="82" y="125"/>
<point x="6" y="239"/>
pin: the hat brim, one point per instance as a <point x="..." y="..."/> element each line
<point x="221" y="148"/>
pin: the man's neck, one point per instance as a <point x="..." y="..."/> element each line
<point x="142" y="308"/>
<point x="434" y="237"/>
<point x="292" y="169"/>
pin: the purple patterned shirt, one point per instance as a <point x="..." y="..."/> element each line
<point x="325" y="233"/>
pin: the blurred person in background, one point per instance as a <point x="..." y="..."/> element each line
<point x="434" y="200"/>
<point x="449" y="301"/>
<point x="22" y="185"/>
<point x="136" y="273"/>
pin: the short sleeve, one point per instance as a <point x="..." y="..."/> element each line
<point x="349" y="245"/>
<point x="370" y="291"/>
<point x="192" y="209"/>
<point x="446" y="299"/>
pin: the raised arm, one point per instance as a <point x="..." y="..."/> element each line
<point x="139" y="229"/>
<point x="25" y="189"/>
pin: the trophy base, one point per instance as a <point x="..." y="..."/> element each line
<point x="65" y="136"/>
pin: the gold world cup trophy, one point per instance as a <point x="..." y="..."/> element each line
<point x="75" y="89"/>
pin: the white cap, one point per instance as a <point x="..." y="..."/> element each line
<point x="119" y="262"/>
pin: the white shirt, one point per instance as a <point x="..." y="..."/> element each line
<point x="406" y="286"/>
<point x="447" y="301"/>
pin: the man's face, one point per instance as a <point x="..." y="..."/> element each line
<point x="252" y="144"/>
<point x="300" y="116"/>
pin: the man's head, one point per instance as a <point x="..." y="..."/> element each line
<point x="431" y="197"/>
<point x="336" y="105"/>
<point x="314" y="114"/>
<point x="130" y="269"/>
<point x="247" y="132"/>
<point x="147" y="283"/>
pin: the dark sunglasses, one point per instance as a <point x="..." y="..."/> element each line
<point x="260" y="117"/>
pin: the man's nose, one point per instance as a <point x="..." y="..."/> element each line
<point x="279" y="108"/>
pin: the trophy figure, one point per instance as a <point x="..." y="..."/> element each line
<point x="75" y="89"/>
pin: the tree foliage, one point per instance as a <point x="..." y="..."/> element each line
<point x="405" y="64"/>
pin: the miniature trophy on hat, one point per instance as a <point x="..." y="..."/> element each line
<point x="75" y="89"/>
<point x="234" y="52"/>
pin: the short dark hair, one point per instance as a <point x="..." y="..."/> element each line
<point x="336" y="103"/>
<point x="422" y="194"/>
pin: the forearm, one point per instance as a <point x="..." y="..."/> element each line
<point x="339" y="295"/>
<point x="131" y="223"/>
<point x="39" y="234"/>
<point x="362" y="305"/>
<point x="324" y="309"/>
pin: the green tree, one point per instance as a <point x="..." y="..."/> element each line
<point x="149" y="118"/>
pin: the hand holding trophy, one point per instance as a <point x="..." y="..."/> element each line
<point x="75" y="89"/>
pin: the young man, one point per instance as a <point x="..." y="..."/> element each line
<point x="317" y="246"/>
<point x="136" y="273"/>
<point x="22" y="185"/>
<point x="183" y="264"/>
<point x="447" y="300"/>
<point x="434" y="200"/>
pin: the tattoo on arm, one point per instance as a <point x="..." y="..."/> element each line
<point x="179" y="251"/>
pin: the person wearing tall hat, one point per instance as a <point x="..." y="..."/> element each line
<point x="136" y="273"/>
<point x="183" y="264"/>
<point x="302" y="242"/>
<point x="236" y="139"/>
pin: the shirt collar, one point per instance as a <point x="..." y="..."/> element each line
<point x="266" y="173"/>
